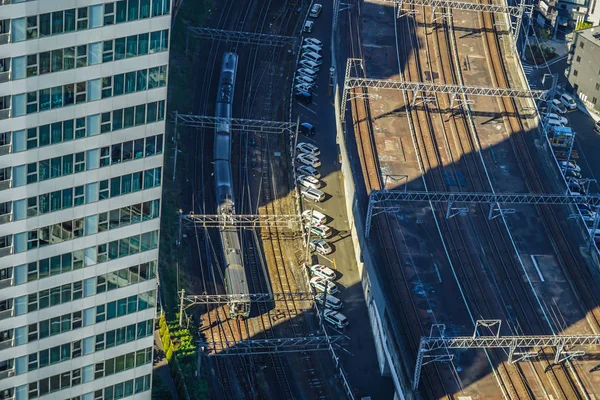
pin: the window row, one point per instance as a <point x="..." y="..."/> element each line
<point x="86" y="160"/>
<point x="135" y="45"/>
<point x="92" y="224"/>
<point x="125" y="277"/>
<point x="132" y="10"/>
<point x="76" y="377"/>
<point x="82" y="92"/>
<point x="49" y="298"/>
<point x="122" y="363"/>
<point x="65" y="131"/>
<point x="78" y="19"/>
<point x="84" y="194"/>
<point x="123" y="389"/>
<point x="77" y="259"/>
<point x="134" y="81"/>
<point x="125" y="334"/>
<point x="84" y="55"/>
<point x="82" y="347"/>
<point x="69" y="322"/>
<point x="121" y="307"/>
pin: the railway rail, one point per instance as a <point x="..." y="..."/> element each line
<point x="450" y="139"/>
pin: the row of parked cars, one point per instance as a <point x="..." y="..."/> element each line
<point x="307" y="72"/>
<point x="322" y="279"/>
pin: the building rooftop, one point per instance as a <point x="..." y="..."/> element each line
<point x="592" y="34"/>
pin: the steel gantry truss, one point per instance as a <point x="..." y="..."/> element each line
<point x="239" y="37"/>
<point x="253" y="125"/>
<point x="515" y="11"/>
<point x="423" y="90"/>
<point x="291" y="222"/>
<point x="204" y="299"/>
<point x="436" y="346"/>
<point x="387" y="201"/>
<point x="268" y="346"/>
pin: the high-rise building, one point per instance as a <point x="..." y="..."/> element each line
<point x="83" y="86"/>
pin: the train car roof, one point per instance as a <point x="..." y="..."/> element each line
<point x="236" y="279"/>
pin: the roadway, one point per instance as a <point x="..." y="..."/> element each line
<point x="359" y="356"/>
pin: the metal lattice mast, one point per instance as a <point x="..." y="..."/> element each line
<point x="268" y="346"/>
<point x="240" y="37"/>
<point x="349" y="63"/>
<point x="456" y="90"/>
<point x="388" y="201"/>
<point x="435" y="348"/>
<point x="292" y="222"/>
<point x="252" y="125"/>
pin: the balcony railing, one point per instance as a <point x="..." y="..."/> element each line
<point x="4" y="76"/>
<point x="4" y="38"/>
<point x="6" y="314"/>
<point x="5" y="113"/>
<point x="5" y="184"/>
<point x="4" y="283"/>
<point x="6" y="218"/>
<point x="7" y="373"/>
<point x="7" y="344"/>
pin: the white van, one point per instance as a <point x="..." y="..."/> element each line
<point x="307" y="48"/>
<point x="329" y="301"/>
<point x="322" y="231"/>
<point x="314" y="57"/>
<point x="562" y="119"/>
<point x="314" y="41"/>
<point x="568" y="101"/>
<point x="315" y="10"/>
<point x="313" y="194"/>
<point x="317" y="217"/>
<point x="335" y="318"/>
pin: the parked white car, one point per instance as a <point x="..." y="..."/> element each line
<point x="308" y="148"/>
<point x="309" y="171"/>
<point x="323" y="271"/>
<point x="320" y="284"/>
<point x="310" y="65"/>
<point x="317" y="217"/>
<point x="320" y="246"/>
<point x="335" y="318"/>
<point x="313" y="41"/>
<point x="308" y="159"/>
<point x="308" y="181"/>
<point x="308" y="72"/>
<point x="560" y="119"/>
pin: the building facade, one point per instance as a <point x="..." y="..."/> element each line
<point x="563" y="17"/>
<point x="83" y="87"/>
<point x="584" y="70"/>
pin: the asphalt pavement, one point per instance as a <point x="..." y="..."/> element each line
<point x="587" y="141"/>
<point x="358" y="357"/>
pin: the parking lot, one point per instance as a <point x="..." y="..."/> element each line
<point x="364" y="376"/>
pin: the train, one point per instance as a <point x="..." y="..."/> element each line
<point x="235" y="274"/>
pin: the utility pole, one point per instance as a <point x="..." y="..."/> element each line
<point x="308" y="232"/>
<point x="181" y="307"/>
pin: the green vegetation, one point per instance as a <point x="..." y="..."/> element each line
<point x="583" y="25"/>
<point x="540" y="53"/>
<point x="160" y="391"/>
<point x="172" y="262"/>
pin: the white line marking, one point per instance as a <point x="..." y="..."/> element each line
<point x="535" y="264"/>
<point x="308" y="109"/>
<point x="437" y="271"/>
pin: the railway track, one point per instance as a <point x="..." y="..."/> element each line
<point x="504" y="267"/>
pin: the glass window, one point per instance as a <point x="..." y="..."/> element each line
<point x="120" y="48"/>
<point x="157" y="8"/>
<point x="142" y="78"/>
<point x="155" y="41"/>
<point x="19" y="68"/>
<point x="57" y="22"/>
<point x="128" y="117"/>
<point x="45" y="25"/>
<point x="133" y="10"/>
<point x="82" y="18"/>
<point x="121" y="12"/>
<point x="69" y="58"/>
<point x="107" y="50"/>
<point x="143" y="43"/>
<point x="70" y="20"/>
<point x="132" y="44"/>
<point x="130" y="80"/>
<point x="82" y="56"/>
<point x="18" y="30"/>
<point x="95" y="53"/>
<point x="57" y="60"/>
<point x="96" y="16"/>
<point x="32" y="27"/>
<point x="144" y="8"/>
